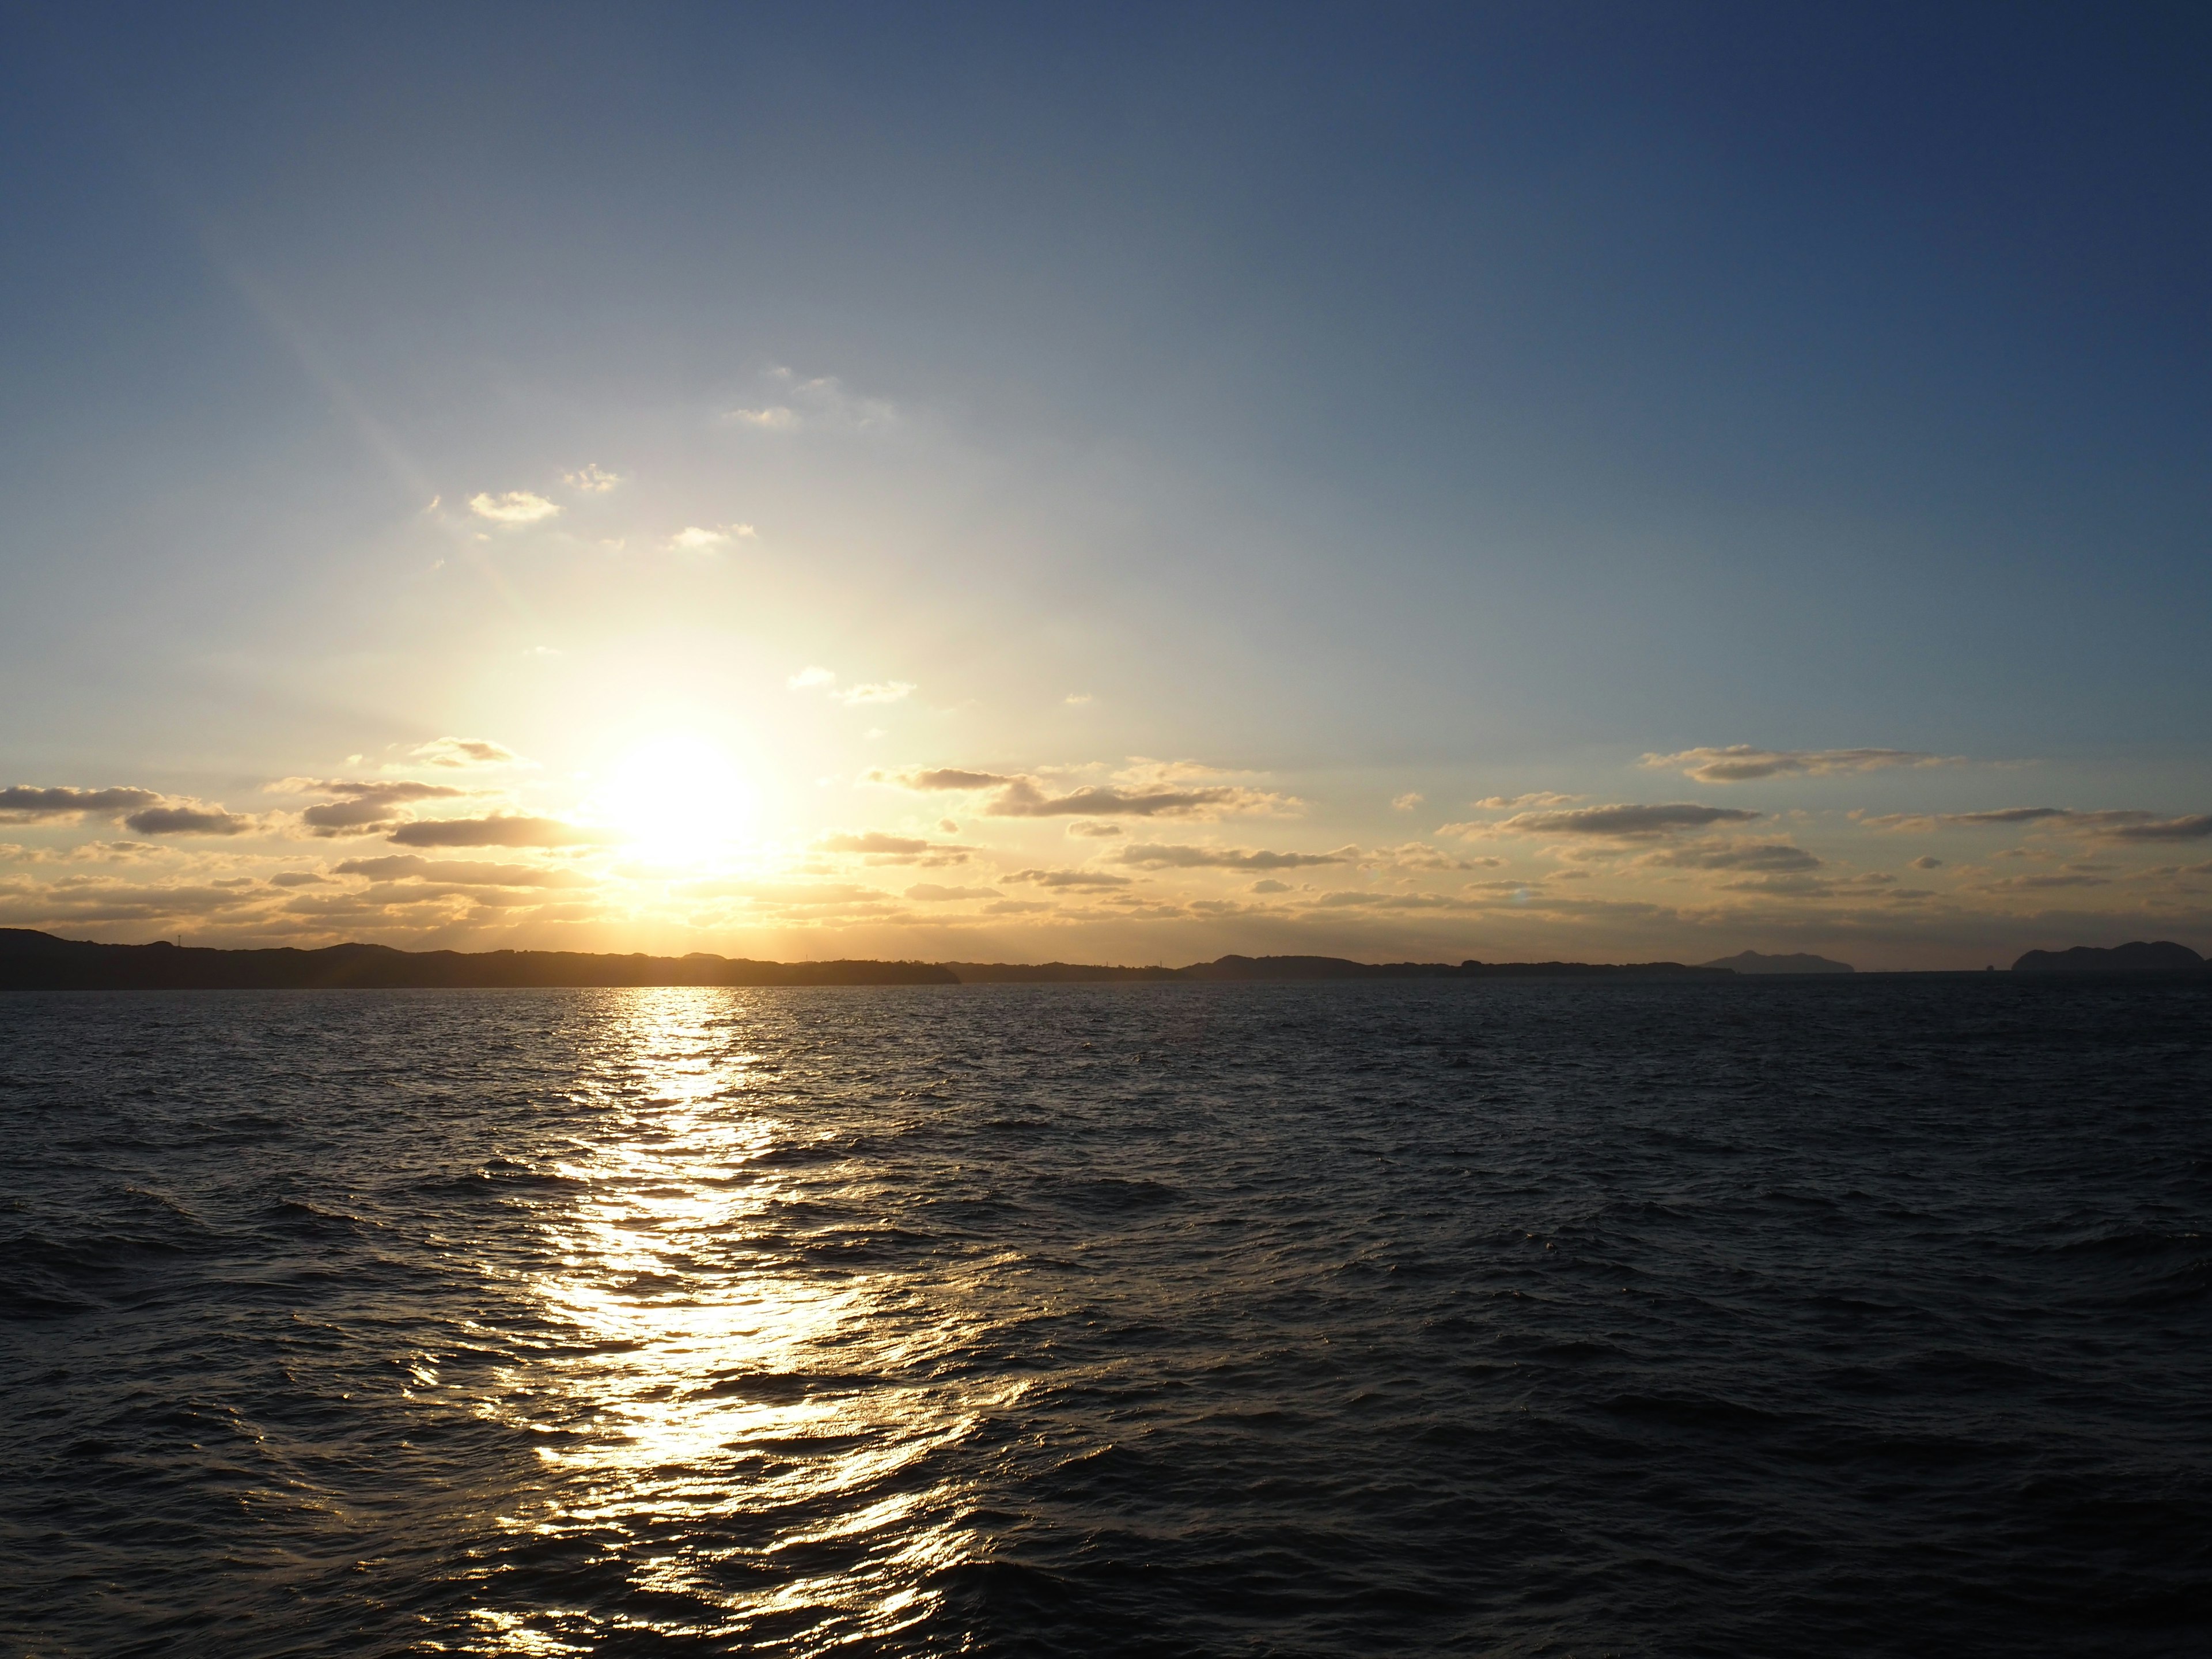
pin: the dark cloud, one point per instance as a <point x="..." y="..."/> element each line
<point x="1741" y="762"/>
<point x="877" y="848"/>
<point x="461" y="873"/>
<point x="189" y="821"/>
<point x="1147" y="856"/>
<point x="497" y="831"/>
<point x="363" y="806"/>
<point x="2198" y="828"/>
<point x="1624" y="823"/>
<point x="943" y="777"/>
<point x="298" y="879"/>
<point x="1022" y="799"/>
<point x="387" y="792"/>
<point x="1067" y="879"/>
<point x="2115" y="825"/>
<point x="1021" y="796"/>
<point x="22" y="802"/>
<point x="2006" y="814"/>
<point x="1771" y="857"/>
<point x="1096" y="831"/>
<point x="1928" y="861"/>
<point x="342" y="817"/>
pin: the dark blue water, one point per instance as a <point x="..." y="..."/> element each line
<point x="1838" y="1317"/>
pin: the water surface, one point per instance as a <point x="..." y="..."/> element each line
<point x="1516" y="1317"/>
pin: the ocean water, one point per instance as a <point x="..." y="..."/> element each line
<point x="1861" y="1316"/>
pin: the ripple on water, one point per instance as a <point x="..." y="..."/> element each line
<point x="1864" y="1317"/>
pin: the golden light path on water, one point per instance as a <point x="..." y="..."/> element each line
<point x="724" y="1419"/>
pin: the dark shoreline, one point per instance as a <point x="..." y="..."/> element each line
<point x="37" y="960"/>
<point x="32" y="961"/>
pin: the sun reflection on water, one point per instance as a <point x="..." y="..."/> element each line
<point x="724" y="1422"/>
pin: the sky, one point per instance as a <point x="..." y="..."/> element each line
<point x="1129" y="483"/>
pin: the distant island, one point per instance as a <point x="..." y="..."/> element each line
<point x="35" y="961"/>
<point x="2159" y="957"/>
<point x="1750" y="961"/>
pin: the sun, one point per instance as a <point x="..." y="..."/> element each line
<point x="681" y="798"/>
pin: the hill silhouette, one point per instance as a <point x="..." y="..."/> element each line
<point x="35" y="961"/>
<point x="2157" y="957"/>
<point x="1751" y="962"/>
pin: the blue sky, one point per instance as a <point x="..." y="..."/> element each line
<point x="1338" y="404"/>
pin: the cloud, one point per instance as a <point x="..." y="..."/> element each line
<point x="873" y="842"/>
<point x="1770" y="857"/>
<point x="1066" y="878"/>
<point x="463" y="751"/>
<point x="93" y="899"/>
<point x="348" y="817"/>
<point x="2003" y="814"/>
<point x="698" y="538"/>
<point x="1150" y="790"/>
<point x="1271" y="885"/>
<point x="1616" y="822"/>
<point x="1359" y="898"/>
<point x="1148" y="856"/>
<point x="1928" y="861"/>
<point x="516" y="506"/>
<point x="822" y="402"/>
<point x="1096" y="831"/>
<point x="2197" y="827"/>
<point x="1510" y="803"/>
<point x="594" y="479"/>
<point x="853" y="697"/>
<point x="1408" y="801"/>
<point x="1078" y="698"/>
<point x="90" y="852"/>
<point x="457" y="872"/>
<point x="501" y="830"/>
<point x="943" y="777"/>
<point x="384" y="791"/>
<point x="1741" y="762"/>
<point x="879" y="848"/>
<point x="1418" y="855"/>
<point x="1020" y="798"/>
<point x="192" y="820"/>
<point x="22" y="803"/>
<point x="882" y="692"/>
<point x="298" y="879"/>
<point x="2118" y="824"/>
<point x="929" y="892"/>
<point x="363" y="806"/>
<point x="1797" y="885"/>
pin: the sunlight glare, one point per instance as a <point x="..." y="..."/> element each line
<point x="681" y="798"/>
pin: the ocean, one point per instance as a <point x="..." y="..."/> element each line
<point x="1857" y="1316"/>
